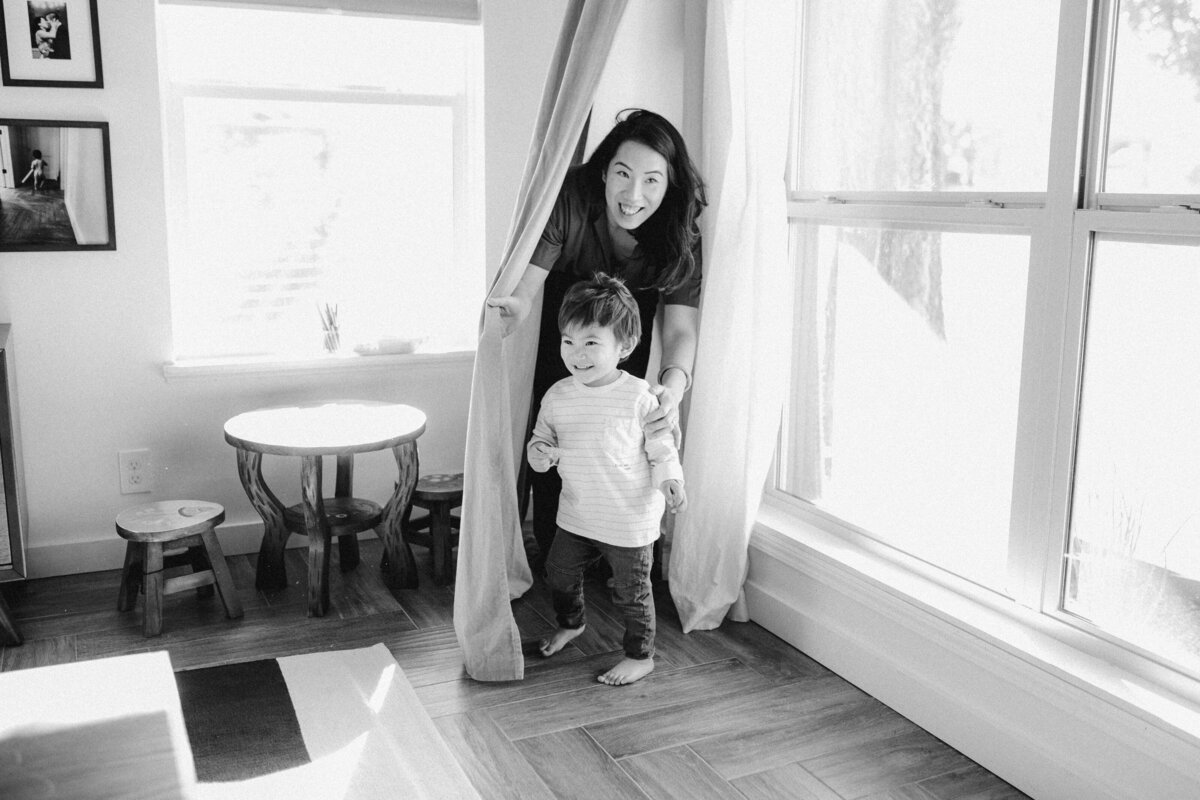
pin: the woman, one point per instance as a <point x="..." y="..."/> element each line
<point x="630" y="211"/>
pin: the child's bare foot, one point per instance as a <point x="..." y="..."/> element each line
<point x="558" y="640"/>
<point x="627" y="671"/>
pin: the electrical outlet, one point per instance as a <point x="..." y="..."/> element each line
<point x="134" y="467"/>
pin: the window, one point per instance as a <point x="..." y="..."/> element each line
<point x="913" y="278"/>
<point x="996" y="230"/>
<point x="315" y="162"/>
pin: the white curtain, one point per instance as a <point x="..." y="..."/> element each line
<point x="745" y="330"/>
<point x="492" y="569"/>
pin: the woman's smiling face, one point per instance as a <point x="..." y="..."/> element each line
<point x="634" y="184"/>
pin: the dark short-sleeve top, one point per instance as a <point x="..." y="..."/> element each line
<point x="576" y="244"/>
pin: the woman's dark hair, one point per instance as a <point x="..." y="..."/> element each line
<point x="603" y="301"/>
<point x="669" y="235"/>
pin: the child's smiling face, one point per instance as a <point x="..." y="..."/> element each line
<point x="591" y="353"/>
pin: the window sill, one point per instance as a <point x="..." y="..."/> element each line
<point x="333" y="364"/>
<point x="988" y="624"/>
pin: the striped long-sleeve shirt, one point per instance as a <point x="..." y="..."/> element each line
<point x="611" y="472"/>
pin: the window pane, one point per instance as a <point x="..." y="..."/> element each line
<point x="1134" y="552"/>
<point x="907" y="389"/>
<point x="903" y="95"/>
<point x="325" y="208"/>
<point x="1155" y="100"/>
<point x="340" y="169"/>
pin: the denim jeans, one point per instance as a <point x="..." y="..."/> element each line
<point x="570" y="555"/>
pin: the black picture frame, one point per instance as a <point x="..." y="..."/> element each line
<point x="71" y="208"/>
<point x="50" y="43"/>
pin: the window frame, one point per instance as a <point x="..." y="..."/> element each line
<point x="467" y="182"/>
<point x="1062" y="224"/>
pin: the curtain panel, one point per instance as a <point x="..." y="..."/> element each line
<point x="743" y="356"/>
<point x="492" y="568"/>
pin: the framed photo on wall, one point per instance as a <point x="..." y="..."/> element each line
<point x="50" y="43"/>
<point x="55" y="186"/>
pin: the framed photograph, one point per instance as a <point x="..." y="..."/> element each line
<point x="50" y="43"/>
<point x="55" y="186"/>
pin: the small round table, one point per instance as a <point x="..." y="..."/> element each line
<point x="341" y="428"/>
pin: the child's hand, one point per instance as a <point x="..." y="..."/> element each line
<point x="547" y="456"/>
<point x="676" y="496"/>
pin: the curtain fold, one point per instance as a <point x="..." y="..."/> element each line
<point x="745" y="328"/>
<point x="492" y="569"/>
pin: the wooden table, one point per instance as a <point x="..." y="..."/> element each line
<point x="312" y="431"/>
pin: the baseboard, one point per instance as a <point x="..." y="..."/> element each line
<point x="1051" y="737"/>
<point x="109" y="553"/>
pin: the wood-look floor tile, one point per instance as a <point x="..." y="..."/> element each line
<point x="595" y="702"/>
<point x="65" y="594"/>
<point x="724" y="712"/>
<point x="428" y="655"/>
<point x="38" y="653"/>
<point x="492" y="762"/>
<point x="790" y="780"/>
<point x="429" y="606"/>
<point x="566" y="671"/>
<point x="763" y="651"/>
<point x="970" y="783"/>
<point x="909" y="791"/>
<point x="773" y="740"/>
<point x="67" y="624"/>
<point x="886" y="763"/>
<point x="572" y="765"/>
<point x="747" y="717"/>
<point x="677" y="773"/>
<point x="266" y="633"/>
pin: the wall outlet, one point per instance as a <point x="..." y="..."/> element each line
<point x="134" y="468"/>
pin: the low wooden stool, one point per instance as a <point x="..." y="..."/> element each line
<point x="439" y="495"/>
<point x="150" y="530"/>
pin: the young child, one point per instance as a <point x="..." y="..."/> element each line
<point x="616" y="481"/>
<point x="46" y="35"/>
<point x="37" y="169"/>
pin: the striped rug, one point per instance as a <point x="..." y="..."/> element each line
<point x="337" y="725"/>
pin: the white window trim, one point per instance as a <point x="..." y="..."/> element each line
<point x="207" y="368"/>
<point x="1061" y="224"/>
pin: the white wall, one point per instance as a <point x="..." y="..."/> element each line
<point x="91" y="330"/>
<point x="83" y="184"/>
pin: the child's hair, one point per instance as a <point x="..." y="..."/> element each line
<point x="603" y="301"/>
<point x="37" y="153"/>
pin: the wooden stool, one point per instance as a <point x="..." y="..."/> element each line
<point x="439" y="495"/>
<point x="189" y="524"/>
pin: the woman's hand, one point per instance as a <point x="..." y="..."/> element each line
<point x="515" y="308"/>
<point x="665" y="418"/>
<point x="513" y="311"/>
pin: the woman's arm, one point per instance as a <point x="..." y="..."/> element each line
<point x="679" y="332"/>
<point x="514" y="308"/>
